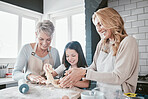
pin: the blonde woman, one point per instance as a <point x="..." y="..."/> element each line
<point x="115" y="63"/>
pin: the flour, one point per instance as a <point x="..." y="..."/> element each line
<point x="40" y="92"/>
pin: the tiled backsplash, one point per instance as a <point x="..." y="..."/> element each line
<point x="135" y="16"/>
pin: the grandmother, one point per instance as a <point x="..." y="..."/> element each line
<point x="33" y="56"/>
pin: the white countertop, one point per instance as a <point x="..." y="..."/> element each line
<point x="40" y="92"/>
<point x="145" y="82"/>
<point x="7" y="81"/>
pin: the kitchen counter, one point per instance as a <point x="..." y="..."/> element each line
<point x="40" y="92"/>
<point x="6" y="81"/>
<point x="144" y="82"/>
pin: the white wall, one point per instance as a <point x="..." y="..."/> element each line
<point x="135" y="15"/>
<point x="52" y="6"/>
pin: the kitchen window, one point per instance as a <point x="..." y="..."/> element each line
<point x="61" y="36"/>
<point x="8" y="35"/>
<point x="69" y="26"/>
<point x="17" y="28"/>
<point x="28" y="30"/>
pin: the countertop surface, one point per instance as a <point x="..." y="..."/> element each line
<point x="40" y="92"/>
<point x="7" y="81"/>
<point x="145" y="82"/>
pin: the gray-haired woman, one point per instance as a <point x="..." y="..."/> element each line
<point x="33" y="56"/>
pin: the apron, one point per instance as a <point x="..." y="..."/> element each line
<point x="35" y="65"/>
<point x="105" y="63"/>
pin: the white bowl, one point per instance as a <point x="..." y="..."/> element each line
<point x="92" y="95"/>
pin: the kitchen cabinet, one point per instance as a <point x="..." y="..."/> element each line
<point x="142" y="87"/>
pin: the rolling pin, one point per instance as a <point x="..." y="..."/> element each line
<point x="23" y="86"/>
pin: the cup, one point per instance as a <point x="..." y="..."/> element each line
<point x="92" y="95"/>
<point x="3" y="73"/>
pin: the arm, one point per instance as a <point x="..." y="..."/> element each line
<point x="82" y="84"/>
<point x="21" y="62"/>
<point x="59" y="70"/>
<point x="69" y="82"/>
<point x="93" y="65"/>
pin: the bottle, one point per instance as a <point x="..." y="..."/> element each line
<point x="23" y="87"/>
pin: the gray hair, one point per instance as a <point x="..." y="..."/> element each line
<point x="46" y="27"/>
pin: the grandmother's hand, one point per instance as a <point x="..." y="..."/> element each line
<point x="37" y="79"/>
<point x="72" y="76"/>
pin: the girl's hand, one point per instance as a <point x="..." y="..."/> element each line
<point x="48" y="67"/>
<point x="73" y="75"/>
<point x="37" y="79"/>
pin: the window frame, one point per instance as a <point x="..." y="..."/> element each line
<point x="21" y="12"/>
<point x="66" y="13"/>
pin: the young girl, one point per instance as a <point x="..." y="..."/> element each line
<point x="73" y="58"/>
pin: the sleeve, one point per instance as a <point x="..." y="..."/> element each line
<point x="93" y="65"/>
<point x="56" y="59"/>
<point x="20" y="63"/>
<point x="125" y="64"/>
<point x="60" y="69"/>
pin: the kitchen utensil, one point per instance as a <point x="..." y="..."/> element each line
<point x="3" y="73"/>
<point x="3" y="70"/>
<point x="23" y="86"/>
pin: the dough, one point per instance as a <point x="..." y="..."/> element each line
<point x="48" y="73"/>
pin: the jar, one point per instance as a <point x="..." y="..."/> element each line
<point x="3" y="73"/>
<point x="8" y="75"/>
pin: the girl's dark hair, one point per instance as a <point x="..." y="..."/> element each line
<point x="77" y="47"/>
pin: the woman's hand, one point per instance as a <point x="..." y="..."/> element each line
<point x="72" y="76"/>
<point x="69" y="85"/>
<point x="37" y="79"/>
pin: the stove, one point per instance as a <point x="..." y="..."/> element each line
<point x="142" y="85"/>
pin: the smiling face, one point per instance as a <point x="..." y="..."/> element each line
<point x="43" y="41"/>
<point x="72" y="57"/>
<point x="103" y="32"/>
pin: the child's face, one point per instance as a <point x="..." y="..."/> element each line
<point x="72" y="56"/>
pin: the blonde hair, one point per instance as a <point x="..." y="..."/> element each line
<point x="111" y="19"/>
<point x="46" y="27"/>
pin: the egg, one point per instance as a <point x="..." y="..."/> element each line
<point x="65" y="97"/>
